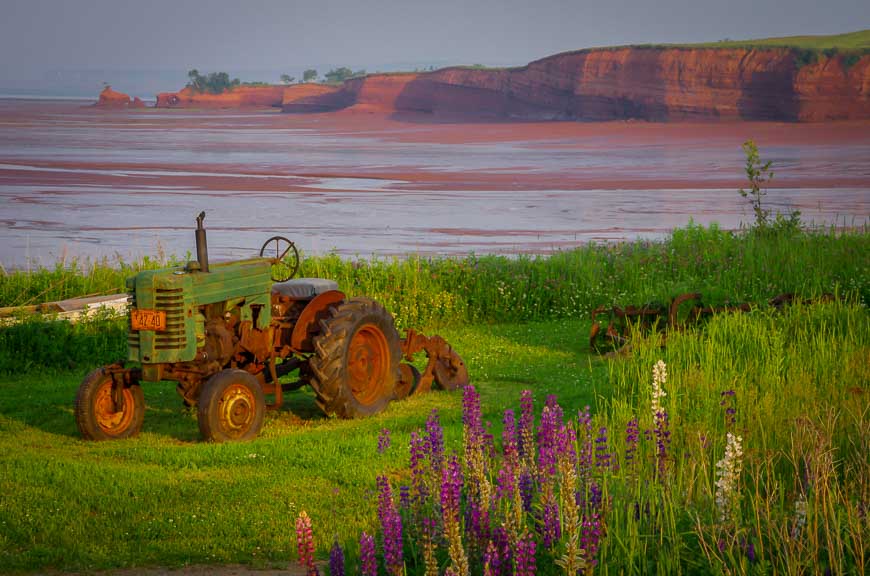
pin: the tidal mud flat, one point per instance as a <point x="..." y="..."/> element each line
<point x="86" y="183"/>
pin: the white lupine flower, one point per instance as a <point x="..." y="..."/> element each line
<point x="800" y="516"/>
<point x="728" y="475"/>
<point x="660" y="376"/>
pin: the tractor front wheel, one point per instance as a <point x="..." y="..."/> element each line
<point x="231" y="407"/>
<point x="355" y="367"/>
<point x="97" y="415"/>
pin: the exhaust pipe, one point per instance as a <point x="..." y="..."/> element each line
<point x="201" y="245"/>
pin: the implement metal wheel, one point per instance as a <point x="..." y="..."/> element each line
<point x="99" y="417"/>
<point x="450" y="371"/>
<point x="231" y="407"/>
<point x="355" y="366"/>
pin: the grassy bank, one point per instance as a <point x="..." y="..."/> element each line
<point x="724" y="266"/>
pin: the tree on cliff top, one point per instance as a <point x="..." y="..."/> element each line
<point x="287" y="79"/>
<point x="309" y="75"/>
<point x="339" y="75"/>
<point x="214" y="82"/>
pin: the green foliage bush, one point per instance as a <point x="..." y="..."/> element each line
<point x="339" y="75"/>
<point x="214" y="82"/>
<point x="46" y="344"/>
<point x="804" y="57"/>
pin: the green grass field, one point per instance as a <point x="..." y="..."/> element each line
<point x="859" y="41"/>
<point x="652" y="491"/>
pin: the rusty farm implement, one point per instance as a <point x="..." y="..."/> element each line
<point x="612" y="327"/>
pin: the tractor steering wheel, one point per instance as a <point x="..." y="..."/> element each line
<point x="284" y="256"/>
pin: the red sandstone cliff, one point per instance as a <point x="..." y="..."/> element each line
<point x="237" y="97"/>
<point x="645" y="83"/>
<point x="111" y="99"/>
<point x="661" y="84"/>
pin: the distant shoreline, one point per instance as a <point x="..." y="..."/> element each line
<point x="59" y="98"/>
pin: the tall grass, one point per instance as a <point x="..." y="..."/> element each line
<point x="752" y="461"/>
<point x="424" y="291"/>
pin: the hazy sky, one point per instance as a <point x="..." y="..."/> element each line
<point x="271" y="34"/>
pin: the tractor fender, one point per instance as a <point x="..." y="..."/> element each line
<point x="308" y="325"/>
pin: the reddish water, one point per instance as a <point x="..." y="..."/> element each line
<point x="78" y="182"/>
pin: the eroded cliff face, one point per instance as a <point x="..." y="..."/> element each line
<point x="238" y="97"/>
<point x="628" y="83"/>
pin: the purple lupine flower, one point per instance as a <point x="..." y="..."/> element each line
<point x="472" y="422"/>
<point x="730" y="411"/>
<point x="451" y="488"/>
<point x="566" y="440"/>
<point x="391" y="525"/>
<point x="590" y="534"/>
<point x="488" y="440"/>
<point x="527" y="486"/>
<point x="663" y="441"/>
<point x="595" y="496"/>
<point x="367" y="555"/>
<point x="527" y="424"/>
<point x="749" y="548"/>
<point x="502" y="542"/>
<point x="491" y="560"/>
<point x="547" y="440"/>
<point x="602" y="456"/>
<point x="526" y="565"/>
<point x="418" y="454"/>
<point x="507" y="476"/>
<point x="550" y="527"/>
<point x="585" y="437"/>
<point x="336" y="560"/>
<point x="553" y="404"/>
<point x="435" y="442"/>
<point x="384" y="440"/>
<point x="477" y="521"/>
<point x="405" y="497"/>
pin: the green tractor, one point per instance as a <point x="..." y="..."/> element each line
<point x="227" y="333"/>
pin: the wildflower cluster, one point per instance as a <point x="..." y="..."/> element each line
<point x="660" y="377"/>
<point x="728" y="476"/>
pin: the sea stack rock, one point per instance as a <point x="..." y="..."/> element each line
<point x="114" y="100"/>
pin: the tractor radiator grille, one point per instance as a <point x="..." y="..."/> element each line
<point x="132" y="335"/>
<point x="171" y="301"/>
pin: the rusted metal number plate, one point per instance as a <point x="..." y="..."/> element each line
<point x="147" y="320"/>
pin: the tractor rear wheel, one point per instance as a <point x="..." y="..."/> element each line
<point x="355" y="366"/>
<point x="231" y="407"/>
<point x="97" y="416"/>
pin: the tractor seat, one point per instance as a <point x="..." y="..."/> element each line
<point x="304" y="288"/>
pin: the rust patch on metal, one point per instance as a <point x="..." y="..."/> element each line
<point x="306" y="325"/>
